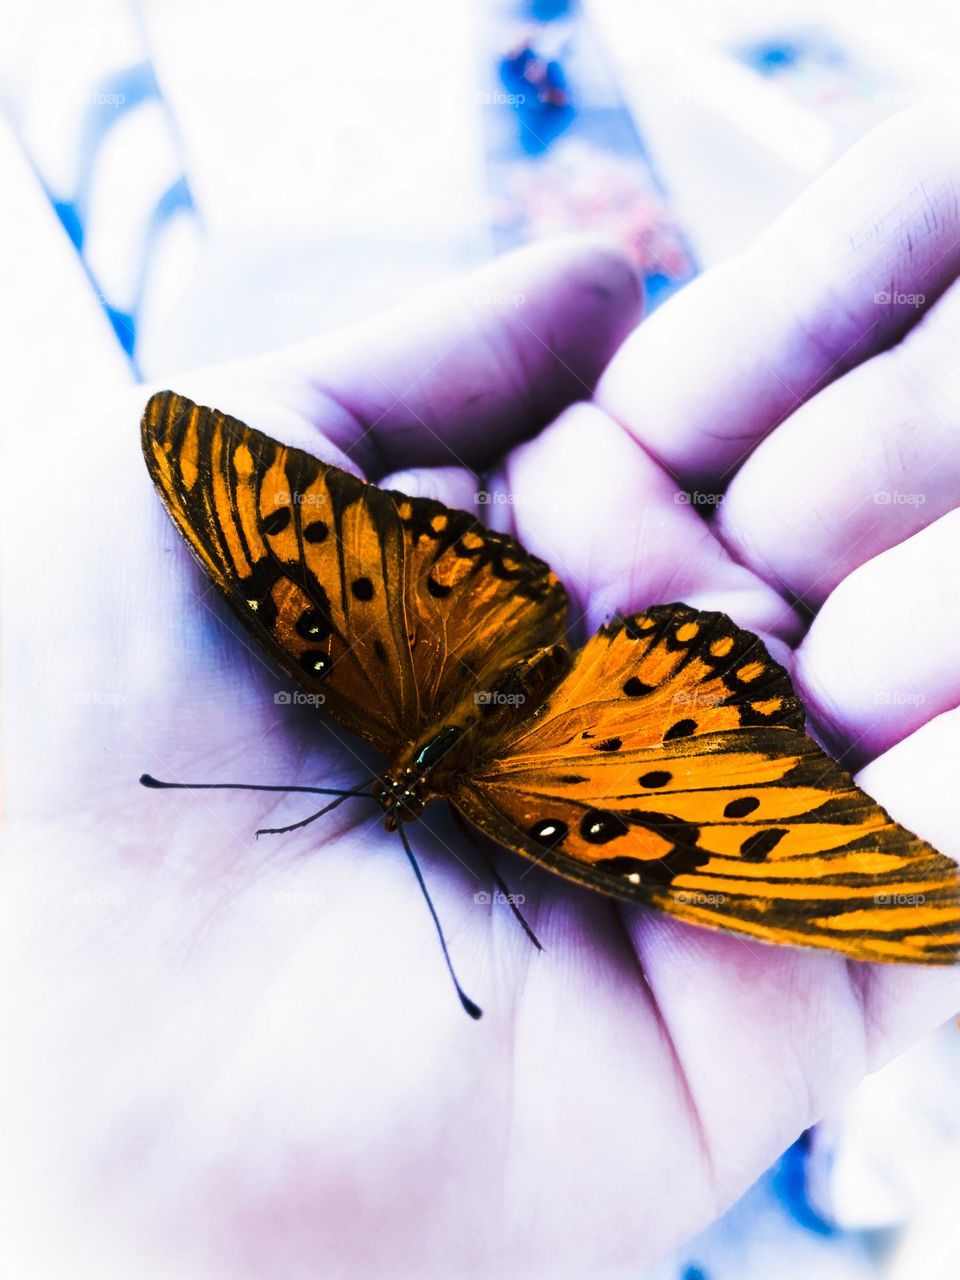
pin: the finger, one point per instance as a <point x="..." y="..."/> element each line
<point x="619" y="533"/>
<point x="456" y="378"/>
<point x="916" y="782"/>
<point x="863" y="465"/>
<point x="454" y="486"/>
<point x="717" y="368"/>
<point x="757" y="1031"/>
<point x="881" y="656"/>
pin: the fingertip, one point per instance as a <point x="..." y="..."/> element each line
<point x="600" y="277"/>
<point x="603" y="269"/>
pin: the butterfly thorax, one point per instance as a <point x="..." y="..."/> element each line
<point x="430" y="767"/>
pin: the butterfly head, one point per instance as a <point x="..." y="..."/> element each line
<point x="401" y="796"/>
<point x="405" y="791"/>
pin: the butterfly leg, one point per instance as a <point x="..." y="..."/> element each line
<point x="305" y="822"/>
<point x="498" y="880"/>
<point x="473" y="1009"/>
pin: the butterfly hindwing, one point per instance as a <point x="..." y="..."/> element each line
<point x="671" y="767"/>
<point x="386" y="605"/>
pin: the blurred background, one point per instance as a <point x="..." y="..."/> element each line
<point x="186" y="182"/>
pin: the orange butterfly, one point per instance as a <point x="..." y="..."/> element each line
<point x="665" y="762"/>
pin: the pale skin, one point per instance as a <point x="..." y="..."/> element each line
<point x="241" y="1058"/>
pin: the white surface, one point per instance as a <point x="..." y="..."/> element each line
<point x="59" y="351"/>
<point x="323" y="117"/>
<point x="335" y="157"/>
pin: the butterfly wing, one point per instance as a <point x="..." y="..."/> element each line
<point x="387" y="605"/>
<point x="671" y="767"/>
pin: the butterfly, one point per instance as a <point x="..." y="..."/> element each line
<point x="664" y="763"/>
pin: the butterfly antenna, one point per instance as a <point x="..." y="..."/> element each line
<point x="474" y="1010"/>
<point x="148" y="780"/>
<point x="497" y="878"/>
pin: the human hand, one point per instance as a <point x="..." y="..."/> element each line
<point x="242" y="1058"/>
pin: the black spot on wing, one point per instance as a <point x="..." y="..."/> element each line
<point x="316" y="532"/>
<point x="599" y="826"/>
<point x="741" y="807"/>
<point x="635" y="688"/>
<point x="313" y="624"/>
<point x="549" y="832"/>
<point x="276" y="521"/>
<point x="682" y="729"/>
<point x="316" y="663"/>
<point x="756" y="847"/>
<point x="438" y="590"/>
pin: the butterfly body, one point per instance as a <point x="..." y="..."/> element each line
<point x="429" y="768"/>
<point x="665" y="762"/>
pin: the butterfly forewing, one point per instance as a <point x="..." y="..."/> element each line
<point x="393" y="607"/>
<point x="671" y="767"/>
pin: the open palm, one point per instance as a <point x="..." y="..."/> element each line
<point x="243" y="1058"/>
